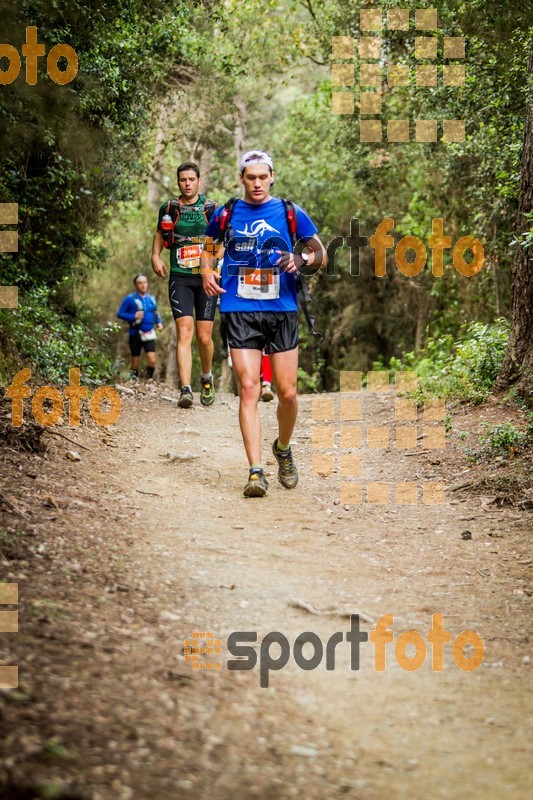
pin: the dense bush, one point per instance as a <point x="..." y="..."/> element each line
<point x="53" y="342"/>
<point x="71" y="153"/>
<point x="463" y="369"/>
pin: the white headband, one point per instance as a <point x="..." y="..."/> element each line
<point x="256" y="157"/>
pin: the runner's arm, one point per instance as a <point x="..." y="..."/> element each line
<point x="157" y="316"/>
<point x="208" y="261"/>
<point x="126" y="312"/>
<point x="317" y="257"/>
<point x="158" y="265"/>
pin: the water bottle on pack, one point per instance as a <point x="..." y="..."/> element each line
<point x="167" y="229"/>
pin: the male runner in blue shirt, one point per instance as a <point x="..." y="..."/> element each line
<point x="139" y="309"/>
<point x="259" y="304"/>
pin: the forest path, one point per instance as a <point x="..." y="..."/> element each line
<point x="153" y="547"/>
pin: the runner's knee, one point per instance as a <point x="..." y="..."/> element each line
<point x="249" y="389"/>
<point x="286" y="394"/>
<point x="185" y="329"/>
<point x="204" y="337"/>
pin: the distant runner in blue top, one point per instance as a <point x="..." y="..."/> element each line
<point x="259" y="304"/>
<point x="139" y="309"/>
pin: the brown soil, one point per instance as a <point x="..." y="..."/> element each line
<point x="121" y="555"/>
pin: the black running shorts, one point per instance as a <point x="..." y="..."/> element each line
<point x="136" y="345"/>
<point x="271" y="331"/>
<point x="186" y="294"/>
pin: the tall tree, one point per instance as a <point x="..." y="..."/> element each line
<point x="518" y="364"/>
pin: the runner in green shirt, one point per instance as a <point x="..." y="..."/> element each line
<point x="190" y="213"/>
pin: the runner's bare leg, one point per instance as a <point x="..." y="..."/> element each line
<point x="285" y="374"/>
<point x="204" y="335"/>
<point x="184" y="329"/>
<point x="247" y="367"/>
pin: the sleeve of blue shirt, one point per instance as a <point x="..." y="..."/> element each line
<point x="127" y="309"/>
<point x="157" y="315"/>
<point x="213" y="229"/>
<point x="305" y="227"/>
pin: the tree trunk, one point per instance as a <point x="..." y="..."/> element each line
<point x="155" y="183"/>
<point x="421" y="318"/>
<point x="225" y="380"/>
<point x="239" y="137"/>
<point x="517" y="367"/>
<point x="203" y="159"/>
<point x="171" y="372"/>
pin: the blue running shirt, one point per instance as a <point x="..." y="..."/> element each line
<point x="249" y="275"/>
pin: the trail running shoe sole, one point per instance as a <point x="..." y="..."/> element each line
<point x="287" y="472"/>
<point x="207" y="396"/>
<point x="257" y="485"/>
<point x="267" y="395"/>
<point x="186" y="400"/>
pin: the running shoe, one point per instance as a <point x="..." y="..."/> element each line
<point x="207" y="396"/>
<point x="287" y="472"/>
<point x="257" y="485"/>
<point x="266" y="393"/>
<point x="186" y="399"/>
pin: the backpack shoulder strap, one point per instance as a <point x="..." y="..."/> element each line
<point x="225" y="218"/>
<point x="290" y="215"/>
<point x="174" y="209"/>
<point x="209" y="208"/>
<point x="302" y="291"/>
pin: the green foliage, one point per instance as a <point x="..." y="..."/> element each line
<point x="53" y="342"/>
<point x="71" y="153"/>
<point x="505" y="439"/>
<point x="309" y="383"/>
<point x="473" y="186"/>
<point x="525" y="240"/>
<point x="464" y="369"/>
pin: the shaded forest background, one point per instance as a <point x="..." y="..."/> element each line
<point x="158" y="84"/>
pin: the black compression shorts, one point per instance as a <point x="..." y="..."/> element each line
<point x="186" y="294"/>
<point x="271" y="331"/>
<point x="136" y="345"/>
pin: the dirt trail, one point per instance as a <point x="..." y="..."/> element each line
<point x="147" y="548"/>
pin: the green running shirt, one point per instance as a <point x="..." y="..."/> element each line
<point x="189" y="237"/>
